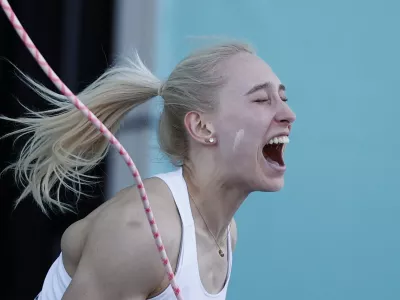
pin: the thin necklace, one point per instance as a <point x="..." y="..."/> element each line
<point x="220" y="252"/>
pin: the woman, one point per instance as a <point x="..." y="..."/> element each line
<point x="225" y="124"/>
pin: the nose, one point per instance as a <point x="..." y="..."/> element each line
<point x="285" y="115"/>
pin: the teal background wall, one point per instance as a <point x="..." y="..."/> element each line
<point x="333" y="231"/>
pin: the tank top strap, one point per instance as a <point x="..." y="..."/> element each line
<point x="177" y="185"/>
<point x="187" y="272"/>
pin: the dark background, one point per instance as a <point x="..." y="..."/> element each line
<point x="74" y="36"/>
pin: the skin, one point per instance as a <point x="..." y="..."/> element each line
<point x="111" y="253"/>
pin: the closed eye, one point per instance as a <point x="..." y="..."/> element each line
<point x="262" y="100"/>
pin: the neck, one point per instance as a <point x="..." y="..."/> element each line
<point x="215" y="199"/>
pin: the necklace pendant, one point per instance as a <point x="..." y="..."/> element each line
<point x="221" y="253"/>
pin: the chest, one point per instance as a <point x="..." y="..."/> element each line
<point x="213" y="268"/>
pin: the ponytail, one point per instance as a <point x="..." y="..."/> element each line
<point x="64" y="145"/>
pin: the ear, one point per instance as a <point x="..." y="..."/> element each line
<point x="199" y="128"/>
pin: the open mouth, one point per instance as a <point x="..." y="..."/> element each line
<point x="274" y="149"/>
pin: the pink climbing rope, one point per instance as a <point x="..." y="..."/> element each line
<point x="100" y="126"/>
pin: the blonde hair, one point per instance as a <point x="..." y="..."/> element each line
<point x="64" y="145"/>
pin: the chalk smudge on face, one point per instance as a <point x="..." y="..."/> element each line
<point x="238" y="138"/>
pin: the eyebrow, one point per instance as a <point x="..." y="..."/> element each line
<point x="263" y="86"/>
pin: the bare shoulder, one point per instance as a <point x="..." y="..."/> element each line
<point x="234" y="234"/>
<point x="120" y="247"/>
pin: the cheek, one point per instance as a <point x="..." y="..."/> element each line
<point x="241" y="131"/>
<point x="240" y="136"/>
<point x="246" y="142"/>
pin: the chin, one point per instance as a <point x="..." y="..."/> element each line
<point x="272" y="185"/>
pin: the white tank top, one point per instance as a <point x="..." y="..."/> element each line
<point x="187" y="271"/>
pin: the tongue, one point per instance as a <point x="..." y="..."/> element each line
<point x="272" y="162"/>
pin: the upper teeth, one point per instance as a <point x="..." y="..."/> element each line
<point x="279" y="140"/>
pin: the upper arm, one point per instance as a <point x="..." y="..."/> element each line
<point x="116" y="269"/>
<point x="120" y="259"/>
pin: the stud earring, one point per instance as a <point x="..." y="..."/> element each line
<point x="211" y="140"/>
